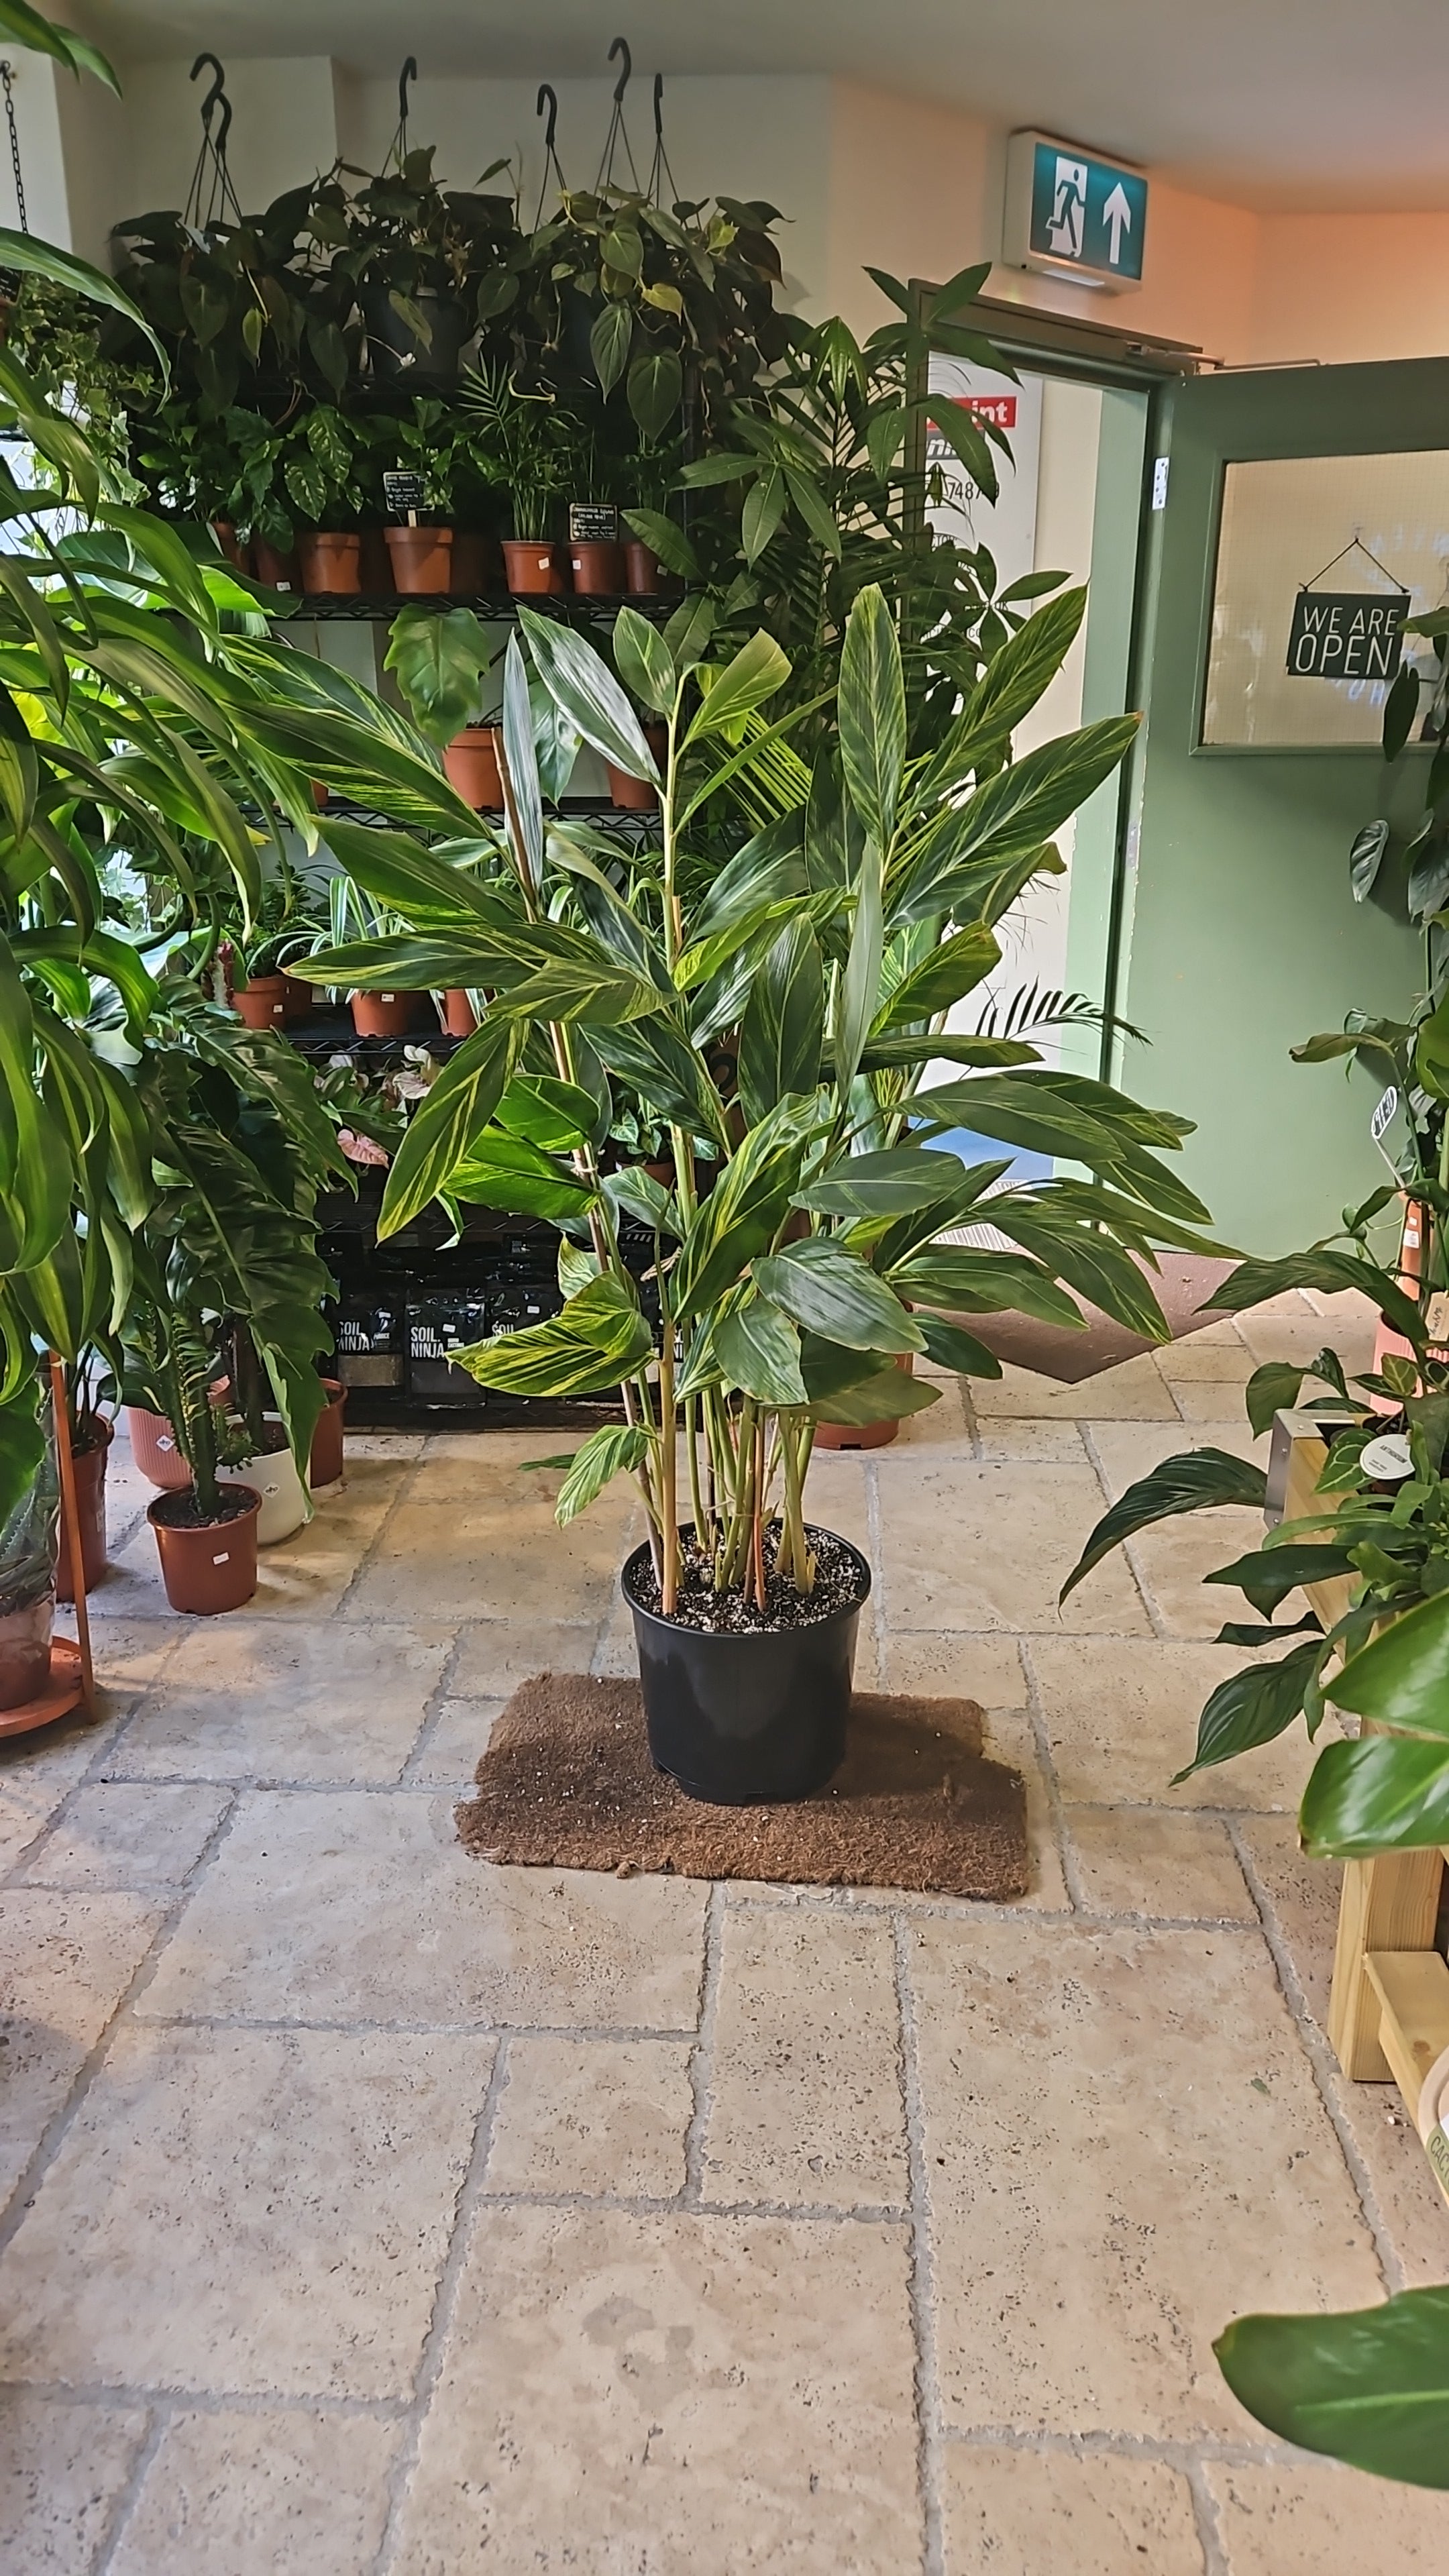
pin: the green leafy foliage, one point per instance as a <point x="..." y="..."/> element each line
<point x="1195" y="1481"/>
<point x="1370" y="2388"/>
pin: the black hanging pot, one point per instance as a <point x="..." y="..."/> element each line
<point x="740" y="1719"/>
<point x="396" y="348"/>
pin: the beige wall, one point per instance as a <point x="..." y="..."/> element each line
<point x="1340" y="287"/>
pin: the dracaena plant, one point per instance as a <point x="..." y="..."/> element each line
<point x="784" y="1008"/>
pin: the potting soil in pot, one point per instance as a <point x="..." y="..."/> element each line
<point x="837" y="1587"/>
<point x="182" y="1511"/>
<point x="567" y="1783"/>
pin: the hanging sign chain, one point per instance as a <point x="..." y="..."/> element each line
<point x="7" y="78"/>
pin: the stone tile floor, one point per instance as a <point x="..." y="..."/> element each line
<point x="375" y="2213"/>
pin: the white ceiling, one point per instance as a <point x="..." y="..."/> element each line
<point x="1312" y="103"/>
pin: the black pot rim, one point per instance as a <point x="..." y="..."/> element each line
<point x="737" y="1637"/>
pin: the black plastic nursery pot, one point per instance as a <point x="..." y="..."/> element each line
<point x="750" y="1718"/>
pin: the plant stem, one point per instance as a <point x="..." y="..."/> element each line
<point x="757" y="1516"/>
<point x="696" y="1499"/>
<point x="669" y="1459"/>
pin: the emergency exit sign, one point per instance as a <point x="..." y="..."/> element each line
<point x="1070" y="215"/>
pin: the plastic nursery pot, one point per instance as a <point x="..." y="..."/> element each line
<point x="644" y="574"/>
<point x="635" y="795"/>
<point x="331" y="562"/>
<point x="296" y="998"/>
<point x="376" y="563"/>
<point x="473" y="564"/>
<point x="459" y="1017"/>
<point x="325" y="1462"/>
<point x="278" y="571"/>
<point x="384" y="1015"/>
<point x="88" y="1457"/>
<point x="535" y="567"/>
<point x="224" y="531"/>
<point x="207" y="1566"/>
<point x="273" y="1475"/>
<point x="597" y="566"/>
<point x="25" y="1651"/>
<point x="422" y="559"/>
<point x="745" y="1719"/>
<point x="470" y="763"/>
<point x="155" y="1450"/>
<point x="261" y="1003"/>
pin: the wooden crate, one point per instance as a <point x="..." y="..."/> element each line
<point x="1388" y="2015"/>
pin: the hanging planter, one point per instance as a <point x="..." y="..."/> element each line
<point x="398" y="348"/>
<point x="331" y="562"/>
<point x="207" y="1565"/>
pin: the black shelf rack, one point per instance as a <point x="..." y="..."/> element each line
<point x="363" y="608"/>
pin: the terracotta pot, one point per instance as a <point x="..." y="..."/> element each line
<point x="261" y="1002"/>
<point x="210" y="1568"/>
<point x="224" y="531"/>
<point x="155" y="1450"/>
<point x="325" y="1464"/>
<point x="376" y="563"/>
<point x="273" y="1475"/>
<point x="474" y="564"/>
<point x="384" y="1015"/>
<point x="863" y="1435"/>
<point x="644" y="574"/>
<point x="535" y="567"/>
<point x="470" y="763"/>
<point x="90" y="1497"/>
<point x="331" y="563"/>
<point x="635" y="795"/>
<point x="297" y="1002"/>
<point x="598" y="568"/>
<point x="422" y="559"/>
<point x="459" y="1017"/>
<point x="25" y="1651"/>
<point x="277" y="570"/>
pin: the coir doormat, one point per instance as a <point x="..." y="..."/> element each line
<point x="567" y="1783"/>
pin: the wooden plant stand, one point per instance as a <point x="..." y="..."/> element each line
<point x="1388" y="2012"/>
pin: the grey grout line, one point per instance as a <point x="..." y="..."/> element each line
<point x="1046" y="1762"/>
<point x="429" y="2370"/>
<point x="125" y="2503"/>
<point x="922" y="2274"/>
<point x="701" y="2056"/>
<point x="383" y="2029"/>
<point x="1209" y="2525"/>
<point x="1324" y="2067"/>
<point x="52" y="2136"/>
<point x="173" y="2400"/>
<point x="1209" y="2449"/>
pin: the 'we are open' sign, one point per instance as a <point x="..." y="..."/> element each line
<point x="1347" y="634"/>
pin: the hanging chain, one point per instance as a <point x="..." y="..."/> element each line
<point x="7" y="79"/>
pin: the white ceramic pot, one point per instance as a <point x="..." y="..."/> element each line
<point x="285" y="1501"/>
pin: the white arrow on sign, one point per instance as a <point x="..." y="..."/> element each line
<point x="1117" y="216"/>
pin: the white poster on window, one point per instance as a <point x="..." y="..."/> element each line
<point x="1007" y="525"/>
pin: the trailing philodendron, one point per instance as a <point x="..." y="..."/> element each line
<point x="782" y="1009"/>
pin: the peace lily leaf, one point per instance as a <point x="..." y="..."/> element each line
<point x="619" y="1447"/>
<point x="1255" y="1281"/>
<point x="1271" y="1389"/>
<point x="1370" y="2387"/>
<point x="832" y="1292"/>
<point x="1402" y="1678"/>
<point x="1194" y="1481"/>
<point x="1384" y="1793"/>
<point x="609" y="343"/>
<point x="1253" y="1708"/>
<point x="1268" y="1576"/>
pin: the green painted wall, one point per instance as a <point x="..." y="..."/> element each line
<point x="1240" y="935"/>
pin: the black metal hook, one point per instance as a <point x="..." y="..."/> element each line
<point x="408" y="73"/>
<point x="547" y="91"/>
<point x="659" y="107"/>
<point x="620" y="45"/>
<point x="215" y="96"/>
